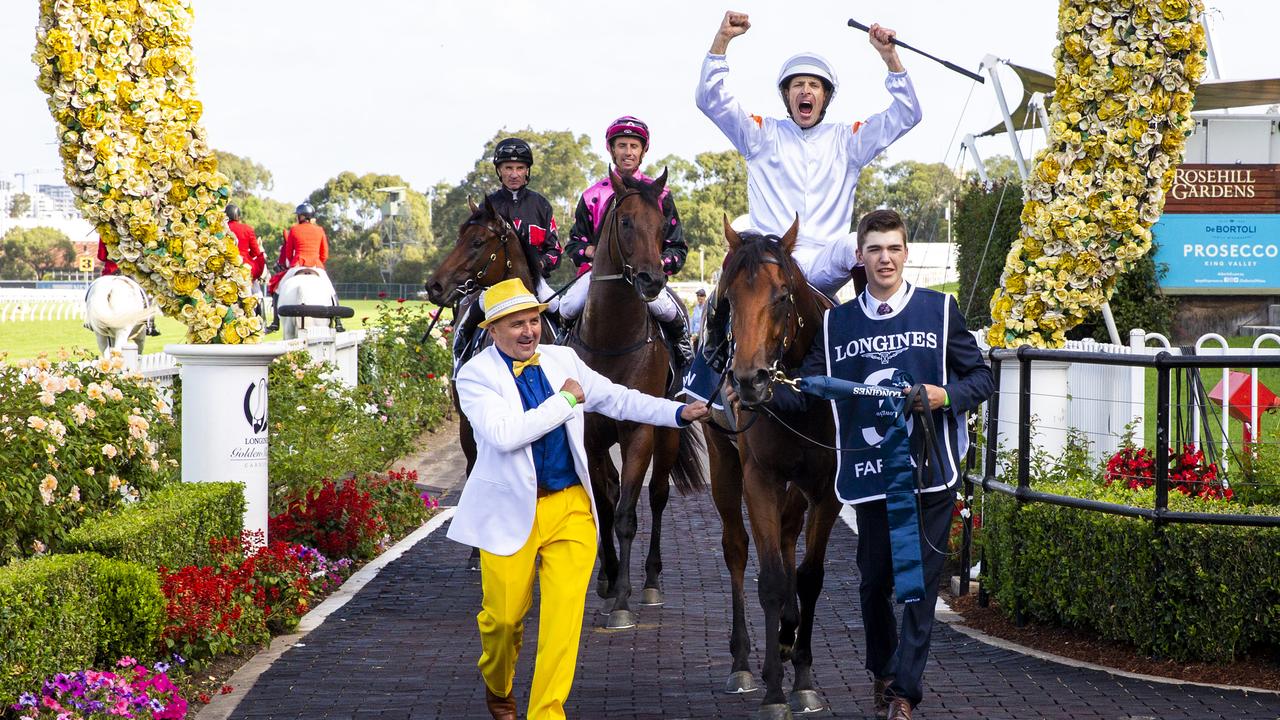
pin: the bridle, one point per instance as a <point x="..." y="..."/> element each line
<point x="505" y="237"/>
<point x="627" y="272"/>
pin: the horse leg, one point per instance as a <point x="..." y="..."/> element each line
<point x="765" y="499"/>
<point x="809" y="579"/>
<point x="726" y="492"/>
<point x="467" y="439"/>
<point x="604" y="487"/>
<point x="666" y="445"/>
<point x="637" y="451"/>
<point x="793" y="516"/>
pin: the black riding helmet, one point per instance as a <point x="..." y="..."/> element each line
<point x="233" y="211"/>
<point x="306" y="210"/>
<point x="512" y="150"/>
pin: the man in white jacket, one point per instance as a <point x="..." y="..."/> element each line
<point x="529" y="494"/>
<point x="798" y="165"/>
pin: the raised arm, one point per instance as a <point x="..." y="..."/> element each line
<point x="714" y="100"/>
<point x="870" y="138"/>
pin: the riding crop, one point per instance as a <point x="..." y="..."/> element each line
<point x="949" y="65"/>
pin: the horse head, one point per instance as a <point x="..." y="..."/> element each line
<point x="487" y="252"/>
<point x="774" y="311"/>
<point x="632" y="234"/>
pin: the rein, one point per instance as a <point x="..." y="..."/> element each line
<point x="627" y="273"/>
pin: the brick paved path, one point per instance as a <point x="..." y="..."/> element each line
<point x="406" y="647"/>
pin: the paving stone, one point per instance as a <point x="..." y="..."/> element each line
<point x="406" y="647"/>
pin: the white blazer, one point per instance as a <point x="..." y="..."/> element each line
<point x="496" y="510"/>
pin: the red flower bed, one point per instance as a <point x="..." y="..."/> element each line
<point x="1189" y="473"/>
<point x="338" y="520"/>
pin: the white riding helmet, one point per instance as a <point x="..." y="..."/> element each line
<point x="809" y="63"/>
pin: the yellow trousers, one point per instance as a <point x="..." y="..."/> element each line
<point x="564" y="536"/>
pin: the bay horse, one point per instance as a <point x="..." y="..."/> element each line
<point x="618" y="338"/>
<point x="487" y="251"/>
<point x="788" y="482"/>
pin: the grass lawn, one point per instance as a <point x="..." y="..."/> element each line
<point x="27" y="339"/>
<point x="1270" y="377"/>
<point x="951" y="288"/>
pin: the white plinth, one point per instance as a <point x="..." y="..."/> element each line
<point x="224" y="419"/>
<point x="1048" y="406"/>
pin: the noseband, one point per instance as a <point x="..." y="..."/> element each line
<point x="627" y="273"/>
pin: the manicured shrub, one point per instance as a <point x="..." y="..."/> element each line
<point x="1183" y="592"/>
<point x="73" y="610"/>
<point x="171" y="528"/>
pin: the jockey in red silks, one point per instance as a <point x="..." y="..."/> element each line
<point x="247" y="241"/>
<point x="628" y="141"/>
<point x="305" y="245"/>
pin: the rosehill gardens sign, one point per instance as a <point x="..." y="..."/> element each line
<point x="1220" y="232"/>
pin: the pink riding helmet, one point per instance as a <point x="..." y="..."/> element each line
<point x="627" y="126"/>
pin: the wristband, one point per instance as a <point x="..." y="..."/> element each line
<point x="573" y="401"/>
<point x="946" y="398"/>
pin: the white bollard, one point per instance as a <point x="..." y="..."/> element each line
<point x="224" y="419"/>
<point x="1048" y="419"/>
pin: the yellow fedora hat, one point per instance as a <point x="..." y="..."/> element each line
<point x="507" y="297"/>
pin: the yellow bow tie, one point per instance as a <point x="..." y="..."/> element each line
<point x="518" y="366"/>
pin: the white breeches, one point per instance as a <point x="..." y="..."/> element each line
<point x="663" y="308"/>
<point x="827" y="267"/>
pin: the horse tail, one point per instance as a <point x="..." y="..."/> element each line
<point x="689" y="473"/>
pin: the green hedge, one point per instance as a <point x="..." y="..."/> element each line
<point x="1185" y="592"/>
<point x="61" y="613"/>
<point x="171" y="528"/>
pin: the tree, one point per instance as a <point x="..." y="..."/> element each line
<point x="705" y="191"/>
<point x="563" y="166"/>
<point x="247" y="177"/>
<point x="30" y="252"/>
<point x="19" y="205"/>
<point x="269" y="219"/>
<point x="350" y="206"/>
<point x="920" y="193"/>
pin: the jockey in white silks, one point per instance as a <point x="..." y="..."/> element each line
<point x="799" y="165"/>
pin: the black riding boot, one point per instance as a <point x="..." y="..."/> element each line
<point x="464" y="329"/>
<point x="275" y="315"/>
<point x="716" y="329"/>
<point x="676" y="331"/>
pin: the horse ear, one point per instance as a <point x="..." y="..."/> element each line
<point x="789" y="239"/>
<point x="488" y="207"/>
<point x="616" y="181"/>
<point x="473" y="205"/>
<point x="731" y="235"/>
<point x="661" y="182"/>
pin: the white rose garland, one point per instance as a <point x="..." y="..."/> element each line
<point x="1121" y="113"/>
<point x="119" y="76"/>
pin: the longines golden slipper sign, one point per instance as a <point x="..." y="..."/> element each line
<point x="119" y="76"/>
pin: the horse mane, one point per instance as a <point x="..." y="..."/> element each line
<point x="648" y="190"/>
<point x="754" y="250"/>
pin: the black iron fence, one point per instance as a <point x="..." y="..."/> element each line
<point x="1165" y="365"/>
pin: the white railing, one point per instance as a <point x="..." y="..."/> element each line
<point x="1103" y="401"/>
<point x="342" y="349"/>
<point x="17" y="311"/>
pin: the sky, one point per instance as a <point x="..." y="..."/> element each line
<point x="415" y="88"/>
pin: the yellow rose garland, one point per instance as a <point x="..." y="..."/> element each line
<point x="119" y="75"/>
<point x="1121" y="113"/>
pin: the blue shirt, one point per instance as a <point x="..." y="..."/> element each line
<point x="552" y="459"/>
<point x="695" y="318"/>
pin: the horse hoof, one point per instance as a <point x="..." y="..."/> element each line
<point x="606" y="606"/>
<point x="651" y="597"/>
<point x="806" y="701"/>
<point x="777" y="711"/>
<point x="621" y="620"/>
<point x="740" y="682"/>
